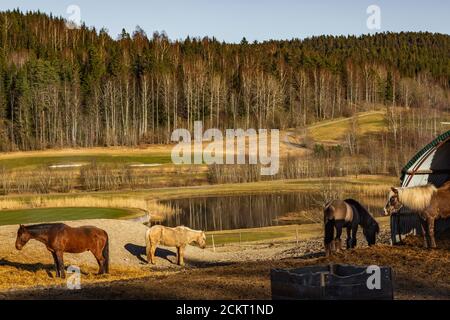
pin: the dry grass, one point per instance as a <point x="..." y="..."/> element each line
<point x="334" y="131"/>
<point x="368" y="190"/>
<point x="15" y="276"/>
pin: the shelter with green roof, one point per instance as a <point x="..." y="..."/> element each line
<point x="430" y="165"/>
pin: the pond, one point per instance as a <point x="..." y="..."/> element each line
<point x="254" y="210"/>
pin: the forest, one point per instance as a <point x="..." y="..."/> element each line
<point x="62" y="87"/>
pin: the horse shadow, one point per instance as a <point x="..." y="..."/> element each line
<point x="32" y="267"/>
<point x="139" y="251"/>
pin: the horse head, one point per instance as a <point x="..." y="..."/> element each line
<point x="371" y="231"/>
<point x="23" y="236"/>
<point x="393" y="204"/>
<point x="201" y="240"/>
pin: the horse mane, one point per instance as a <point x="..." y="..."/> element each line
<point x="188" y="229"/>
<point x="416" y="198"/>
<point x="40" y="227"/>
<point x="364" y="215"/>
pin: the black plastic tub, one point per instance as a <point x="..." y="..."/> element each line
<point x="332" y="282"/>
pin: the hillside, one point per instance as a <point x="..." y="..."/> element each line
<point x="63" y="87"/>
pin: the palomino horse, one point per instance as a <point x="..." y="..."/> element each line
<point x="60" y="238"/>
<point x="347" y="213"/>
<point x="177" y="237"/>
<point x="429" y="202"/>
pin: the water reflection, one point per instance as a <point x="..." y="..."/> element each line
<point x="252" y="211"/>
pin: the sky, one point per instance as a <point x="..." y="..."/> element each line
<point x="231" y="20"/>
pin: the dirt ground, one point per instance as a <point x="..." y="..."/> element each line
<point x="231" y="272"/>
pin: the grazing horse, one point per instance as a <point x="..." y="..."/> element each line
<point x="427" y="201"/>
<point x="60" y="238"/>
<point x="347" y="213"/>
<point x="177" y="237"/>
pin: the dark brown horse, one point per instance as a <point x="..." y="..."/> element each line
<point x="60" y="238"/>
<point x="349" y="214"/>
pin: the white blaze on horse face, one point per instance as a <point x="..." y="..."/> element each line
<point x="388" y="206"/>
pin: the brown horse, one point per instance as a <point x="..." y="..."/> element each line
<point x="429" y="202"/>
<point x="347" y="214"/>
<point x="177" y="237"/>
<point x="60" y="238"/>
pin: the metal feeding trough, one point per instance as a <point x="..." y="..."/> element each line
<point x="332" y="282"/>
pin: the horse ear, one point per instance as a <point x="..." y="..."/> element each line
<point x="394" y="190"/>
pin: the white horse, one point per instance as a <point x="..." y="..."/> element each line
<point x="177" y="237"/>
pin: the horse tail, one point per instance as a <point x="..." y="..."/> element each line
<point x="328" y="212"/>
<point x="105" y="254"/>
<point x="329" y="232"/>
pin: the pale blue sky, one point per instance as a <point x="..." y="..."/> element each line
<point x="255" y="19"/>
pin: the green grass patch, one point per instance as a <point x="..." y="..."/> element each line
<point x="30" y="162"/>
<point x="60" y="214"/>
<point x="335" y="130"/>
<point x="246" y="236"/>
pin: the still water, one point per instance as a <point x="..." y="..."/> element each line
<point x="252" y="211"/>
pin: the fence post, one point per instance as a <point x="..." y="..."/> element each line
<point x="240" y="238"/>
<point x="213" y="244"/>
<point x="296" y="235"/>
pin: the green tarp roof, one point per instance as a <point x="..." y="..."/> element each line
<point x="432" y="144"/>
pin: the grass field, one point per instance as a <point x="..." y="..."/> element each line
<point x="276" y="233"/>
<point x="334" y="131"/>
<point x="61" y="214"/>
<point x="114" y="155"/>
<point x="32" y="162"/>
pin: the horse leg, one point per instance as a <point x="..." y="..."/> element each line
<point x="55" y="259"/>
<point x="59" y="256"/>
<point x="354" y="232"/>
<point x="430" y="222"/>
<point x="100" y="260"/>
<point x="148" y="250"/>
<point x="338" y="244"/>
<point x="180" y="256"/>
<point x="424" y="226"/>
<point x="152" y="254"/>
<point x="349" y="238"/>
<point x="329" y="237"/>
